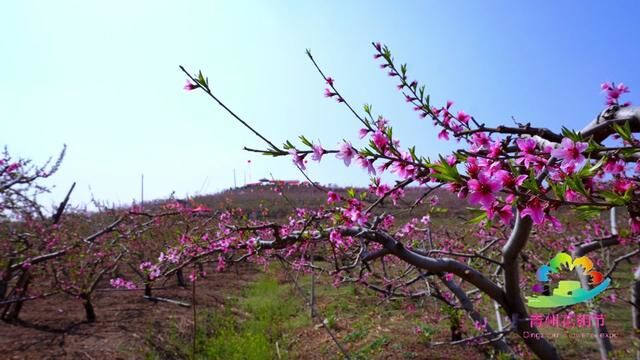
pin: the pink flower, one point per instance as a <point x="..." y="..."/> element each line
<point x="318" y="151"/>
<point x="355" y="215"/>
<point x="480" y="141"/>
<point x="614" y="92"/>
<point x="621" y="186"/>
<point x="614" y="167"/>
<point x="464" y="117"/>
<point x="380" y="140"/>
<point x="380" y="189"/>
<point x="188" y="86"/>
<point x="330" y="81"/>
<point x="505" y="214"/>
<point x="387" y="222"/>
<point x="635" y="224"/>
<point x="366" y="164"/>
<point x="571" y="195"/>
<point x="221" y="263"/>
<point x="405" y="169"/>
<point x="535" y="209"/>
<point x="571" y="153"/>
<point x="381" y="123"/>
<point x="332" y="197"/>
<point x="527" y="148"/>
<point x="557" y="225"/>
<point x="120" y="283"/>
<point x="363" y="132"/>
<point x="480" y="325"/>
<point x="297" y="159"/>
<point x="435" y="200"/>
<point x="443" y="135"/>
<point x="13" y="167"/>
<point x="526" y="145"/>
<point x="346" y="153"/>
<point x="396" y="195"/>
<point x="328" y="93"/>
<point x="483" y="189"/>
<point x="338" y="240"/>
<point x="508" y="180"/>
<point x="200" y="209"/>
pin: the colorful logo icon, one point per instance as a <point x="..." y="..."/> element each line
<point x="568" y="292"/>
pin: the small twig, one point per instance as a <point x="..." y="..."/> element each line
<point x="170" y="301"/>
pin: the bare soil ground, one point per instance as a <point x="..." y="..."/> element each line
<point x="127" y="325"/>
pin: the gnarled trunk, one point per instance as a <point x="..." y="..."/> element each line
<point x="12" y="311"/>
<point x="88" y="308"/>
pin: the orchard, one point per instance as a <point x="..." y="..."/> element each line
<point x="566" y="201"/>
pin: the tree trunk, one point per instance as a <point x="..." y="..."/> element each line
<point x="88" y="309"/>
<point x="513" y="298"/>
<point x="499" y="345"/>
<point x="4" y="280"/>
<point x="12" y="311"/>
<point x="635" y="310"/>
<point x="600" y="331"/>
<point x="201" y="269"/>
<point x="180" y="278"/>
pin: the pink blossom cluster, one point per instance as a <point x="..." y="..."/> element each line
<point x="120" y="283"/>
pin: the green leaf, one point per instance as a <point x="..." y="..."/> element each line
<point x="305" y="141"/>
<point x="558" y="189"/>
<point x="571" y="134"/>
<point x="623" y="130"/>
<point x="614" y="198"/>
<point x="575" y="183"/>
<point x="479" y="216"/>
<point x="589" y="212"/>
<point x="531" y="183"/>
<point x="445" y="172"/>
<point x="412" y="151"/>
<point x="593" y="146"/>
<point x="589" y="170"/>
<point x="288" y="145"/>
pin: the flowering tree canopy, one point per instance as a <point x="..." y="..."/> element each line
<point x="532" y="193"/>
<point x="515" y="177"/>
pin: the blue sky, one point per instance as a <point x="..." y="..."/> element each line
<point x="103" y="78"/>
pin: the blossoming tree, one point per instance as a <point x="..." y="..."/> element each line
<point x="526" y="184"/>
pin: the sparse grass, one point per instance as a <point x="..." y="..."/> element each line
<point x="273" y="311"/>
